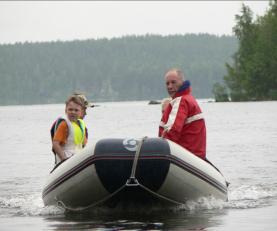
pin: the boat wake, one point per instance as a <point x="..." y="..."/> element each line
<point x="241" y="197"/>
<point x="251" y="196"/>
<point x="27" y="206"/>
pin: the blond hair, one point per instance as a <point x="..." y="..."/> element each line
<point x="75" y="99"/>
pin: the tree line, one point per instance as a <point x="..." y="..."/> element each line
<point x="252" y="75"/>
<point x="126" y="68"/>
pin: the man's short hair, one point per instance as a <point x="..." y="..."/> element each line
<point x="179" y="73"/>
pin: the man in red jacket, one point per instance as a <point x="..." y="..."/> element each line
<point x="182" y="121"/>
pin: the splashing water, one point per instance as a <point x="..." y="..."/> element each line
<point x="242" y="197"/>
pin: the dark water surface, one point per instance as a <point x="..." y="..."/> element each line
<point x="242" y="143"/>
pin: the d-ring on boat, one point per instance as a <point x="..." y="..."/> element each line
<point x="150" y="171"/>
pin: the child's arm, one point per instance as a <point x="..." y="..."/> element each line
<point x="59" y="150"/>
<point x="59" y="140"/>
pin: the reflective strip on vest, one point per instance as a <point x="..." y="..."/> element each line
<point x="199" y="116"/>
<point x="196" y="117"/>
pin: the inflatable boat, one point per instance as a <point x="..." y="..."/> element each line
<point x="150" y="171"/>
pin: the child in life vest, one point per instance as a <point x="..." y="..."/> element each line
<point x="70" y="136"/>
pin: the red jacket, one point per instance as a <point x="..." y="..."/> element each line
<point x="182" y="122"/>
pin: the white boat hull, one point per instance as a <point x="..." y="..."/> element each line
<point x="165" y="173"/>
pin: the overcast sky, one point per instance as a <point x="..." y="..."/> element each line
<point x="50" y="21"/>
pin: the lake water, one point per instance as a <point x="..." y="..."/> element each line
<point x="241" y="142"/>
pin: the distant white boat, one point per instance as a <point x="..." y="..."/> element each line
<point x="151" y="171"/>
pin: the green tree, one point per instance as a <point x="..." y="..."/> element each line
<point x="220" y="93"/>
<point x="237" y="78"/>
<point x="253" y="74"/>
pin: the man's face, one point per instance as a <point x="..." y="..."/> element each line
<point x="173" y="83"/>
<point x="73" y="111"/>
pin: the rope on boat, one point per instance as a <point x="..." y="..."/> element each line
<point x="160" y="196"/>
<point x="78" y="209"/>
<point x="132" y="181"/>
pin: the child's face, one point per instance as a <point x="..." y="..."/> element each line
<point x="73" y="111"/>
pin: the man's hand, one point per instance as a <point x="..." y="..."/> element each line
<point x="164" y="133"/>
